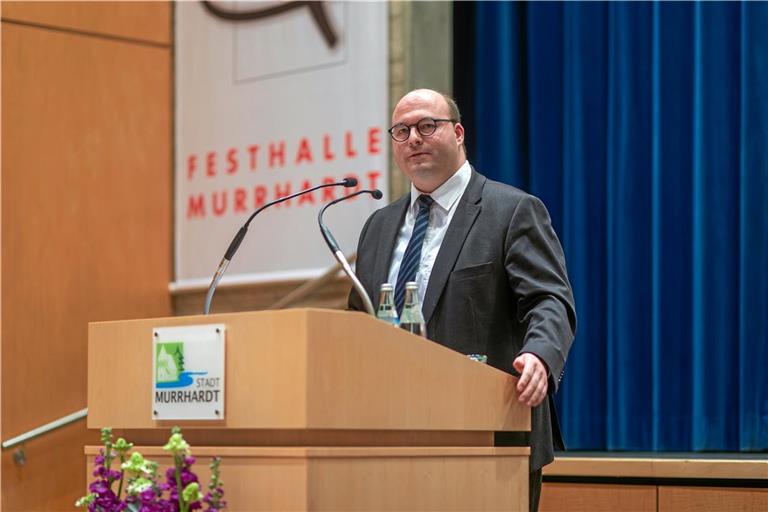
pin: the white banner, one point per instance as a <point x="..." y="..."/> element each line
<point x="266" y="107"/>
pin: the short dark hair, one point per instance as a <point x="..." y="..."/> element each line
<point x="453" y="108"/>
<point x="455" y="113"/>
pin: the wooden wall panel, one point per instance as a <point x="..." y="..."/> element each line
<point x="52" y="478"/>
<point x="86" y="218"/>
<point x="1" y="296"/>
<point x="148" y="21"/>
<point x="712" y="499"/>
<point x="86" y="207"/>
<point x="557" y="497"/>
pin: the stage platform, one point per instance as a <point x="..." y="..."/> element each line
<point x="659" y="482"/>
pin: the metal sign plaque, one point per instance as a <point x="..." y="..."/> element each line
<point x="188" y="372"/>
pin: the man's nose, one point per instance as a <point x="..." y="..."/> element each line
<point x="414" y="137"/>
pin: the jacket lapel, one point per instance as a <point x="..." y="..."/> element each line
<point x="466" y="213"/>
<point x="393" y="220"/>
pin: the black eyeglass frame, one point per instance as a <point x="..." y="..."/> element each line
<point x="416" y="124"/>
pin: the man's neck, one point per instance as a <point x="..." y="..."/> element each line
<point x="458" y="179"/>
<point x="456" y="169"/>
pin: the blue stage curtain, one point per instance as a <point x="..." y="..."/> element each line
<point x="644" y="128"/>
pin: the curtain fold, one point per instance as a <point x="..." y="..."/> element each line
<point x="567" y="112"/>
<point x="671" y="218"/>
<point x="643" y="127"/>
<point x="753" y="229"/>
<point x="498" y="112"/>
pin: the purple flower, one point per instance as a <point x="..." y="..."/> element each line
<point x="160" y="496"/>
<point x="106" y="501"/>
<point x="187" y="477"/>
<point x="147" y="495"/>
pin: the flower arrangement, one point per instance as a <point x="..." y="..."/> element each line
<point x="144" y="492"/>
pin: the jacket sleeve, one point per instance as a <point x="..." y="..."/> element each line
<point x="535" y="266"/>
<point x="362" y="269"/>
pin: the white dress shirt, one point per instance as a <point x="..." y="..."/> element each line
<point x="446" y="198"/>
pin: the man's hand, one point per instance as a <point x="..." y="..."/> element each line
<point x="532" y="385"/>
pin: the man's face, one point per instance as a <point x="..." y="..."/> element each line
<point x="427" y="160"/>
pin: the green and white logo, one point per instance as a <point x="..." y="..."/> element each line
<point x="188" y="372"/>
<point x="170" y="361"/>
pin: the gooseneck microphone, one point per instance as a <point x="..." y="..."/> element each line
<point x="240" y="235"/>
<point x="334" y="247"/>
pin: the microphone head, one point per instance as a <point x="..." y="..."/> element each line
<point x="376" y="193"/>
<point x="349" y="182"/>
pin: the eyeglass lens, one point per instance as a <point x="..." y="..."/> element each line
<point x="425" y="127"/>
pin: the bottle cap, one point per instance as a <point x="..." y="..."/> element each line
<point x="411" y="285"/>
<point x="386" y="287"/>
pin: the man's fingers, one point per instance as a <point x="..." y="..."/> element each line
<point x="532" y="385"/>
<point x="539" y="393"/>
<point x="538" y="396"/>
<point x="525" y="376"/>
<point x="530" y="389"/>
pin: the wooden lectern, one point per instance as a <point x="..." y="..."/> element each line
<point x="327" y="410"/>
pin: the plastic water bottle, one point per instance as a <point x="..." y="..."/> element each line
<point x="387" y="310"/>
<point x="412" y="320"/>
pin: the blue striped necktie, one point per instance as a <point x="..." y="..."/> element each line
<point x="412" y="257"/>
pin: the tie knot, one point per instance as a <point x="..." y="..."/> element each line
<point x="425" y="201"/>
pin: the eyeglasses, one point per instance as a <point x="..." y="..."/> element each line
<point x="425" y="126"/>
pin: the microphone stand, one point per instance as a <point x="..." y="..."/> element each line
<point x="240" y="235"/>
<point x="334" y="247"/>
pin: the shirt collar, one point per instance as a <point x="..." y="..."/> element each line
<point x="449" y="192"/>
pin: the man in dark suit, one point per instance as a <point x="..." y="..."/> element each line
<point x="490" y="270"/>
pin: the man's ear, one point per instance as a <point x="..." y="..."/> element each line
<point x="458" y="129"/>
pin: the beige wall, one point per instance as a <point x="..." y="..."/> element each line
<point x="86" y="214"/>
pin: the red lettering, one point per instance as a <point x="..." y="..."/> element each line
<point x="304" y="152"/>
<point x="372" y="177"/>
<point x="210" y="168"/>
<point x="195" y="206"/>
<point x="219" y="203"/>
<point x="277" y="154"/>
<point x="352" y="190"/>
<point x="310" y="197"/>
<point x="191" y="166"/>
<point x="374" y="140"/>
<point x="351" y="153"/>
<point x="232" y="160"/>
<point x="240" y="200"/>
<point x="328" y="194"/>
<point x="259" y="195"/>
<point x="282" y="192"/>
<point x="253" y="151"/>
<point x="327" y="153"/>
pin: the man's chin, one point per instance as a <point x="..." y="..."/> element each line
<point x="420" y="169"/>
<point x="424" y="179"/>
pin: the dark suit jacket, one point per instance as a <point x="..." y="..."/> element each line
<point x="498" y="286"/>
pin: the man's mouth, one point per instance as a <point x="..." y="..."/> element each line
<point x="422" y="153"/>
